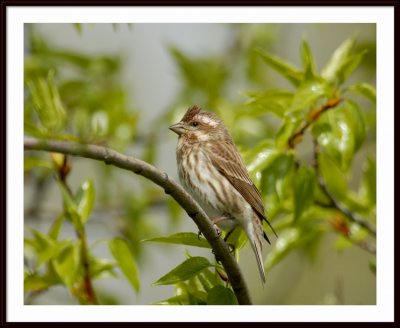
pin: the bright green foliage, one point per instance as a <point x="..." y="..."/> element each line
<point x="182" y="238"/>
<point x="308" y="147"/>
<point x="121" y="252"/>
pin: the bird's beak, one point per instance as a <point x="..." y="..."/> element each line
<point x="178" y="128"/>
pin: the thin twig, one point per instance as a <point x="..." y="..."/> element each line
<point x="89" y="293"/>
<point x="335" y="203"/>
<point x="170" y="187"/>
<point x="294" y="139"/>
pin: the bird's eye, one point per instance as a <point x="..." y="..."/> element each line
<point x="195" y="123"/>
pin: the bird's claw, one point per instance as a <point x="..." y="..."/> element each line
<point x="199" y="234"/>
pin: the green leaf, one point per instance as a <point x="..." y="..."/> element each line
<point x="289" y="126"/>
<point x="36" y="282"/>
<point x="259" y="158"/>
<point x="279" y="170"/>
<point x="47" y="102"/>
<point x="310" y="70"/>
<point x="220" y="295"/>
<point x="350" y="65"/>
<point x="56" y="227"/>
<point x="34" y="162"/>
<point x="101" y="267"/>
<point x="70" y="208"/>
<point x="304" y="186"/>
<point x="338" y="60"/>
<point x="333" y="176"/>
<point x="292" y="239"/>
<point x="273" y="101"/>
<point x="85" y="200"/>
<point x="288" y="70"/>
<point x="366" y="90"/>
<point x="343" y="243"/>
<point x="182" y="238"/>
<point x="121" y="252"/>
<point x="67" y="264"/>
<point x="184" y="271"/>
<point x="368" y="185"/>
<point x="307" y="95"/>
<point x="341" y="132"/>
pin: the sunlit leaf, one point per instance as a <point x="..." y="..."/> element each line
<point x="366" y="90"/>
<point x="221" y="295"/>
<point x="101" y="267"/>
<point x="121" y="252"/>
<point x="310" y="70"/>
<point x="341" y="132"/>
<point x="307" y="94"/>
<point x="338" y="60"/>
<point x="56" y="226"/>
<point x="286" y="69"/>
<point x="84" y="200"/>
<point x="182" y="238"/>
<point x="184" y="271"/>
<point x="67" y="263"/>
<point x="333" y="176"/>
<point x="47" y="102"/>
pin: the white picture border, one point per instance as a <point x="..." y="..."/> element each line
<point x="382" y="16"/>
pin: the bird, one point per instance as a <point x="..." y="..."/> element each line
<point x="213" y="172"/>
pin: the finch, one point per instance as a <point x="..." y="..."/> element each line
<point x="212" y="170"/>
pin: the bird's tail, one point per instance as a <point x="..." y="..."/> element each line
<point x="256" y="237"/>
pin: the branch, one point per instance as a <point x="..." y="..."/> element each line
<point x="335" y="203"/>
<point x="170" y="187"/>
<point x="87" y="286"/>
<point x="296" y="137"/>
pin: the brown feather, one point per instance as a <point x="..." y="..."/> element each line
<point x="226" y="158"/>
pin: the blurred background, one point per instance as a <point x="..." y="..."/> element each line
<point x="122" y="85"/>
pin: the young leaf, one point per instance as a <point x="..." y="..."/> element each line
<point x="184" y="271"/>
<point x="368" y="185"/>
<point x="334" y="178"/>
<point x="273" y="101"/>
<point x="288" y="70"/>
<point x="366" y="90"/>
<point x="310" y="70"/>
<point x="70" y="208"/>
<point x="121" y="252"/>
<point x="47" y="103"/>
<point x="182" y="238"/>
<point x="306" y="96"/>
<point x="220" y="295"/>
<point x="338" y="60"/>
<point x="67" y="263"/>
<point x="56" y="226"/>
<point x="84" y="200"/>
<point x="36" y="282"/>
<point x="349" y="66"/>
<point x="304" y="186"/>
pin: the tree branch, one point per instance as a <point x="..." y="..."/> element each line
<point x="335" y="203"/>
<point x="170" y="187"/>
<point x="296" y="137"/>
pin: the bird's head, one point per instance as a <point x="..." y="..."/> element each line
<point x="199" y="125"/>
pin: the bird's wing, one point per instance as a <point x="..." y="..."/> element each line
<point x="229" y="163"/>
<point x="225" y="157"/>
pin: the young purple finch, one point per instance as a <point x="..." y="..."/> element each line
<point x="211" y="169"/>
